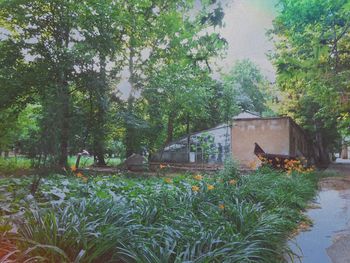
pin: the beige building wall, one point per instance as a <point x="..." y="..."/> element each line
<point x="272" y="134"/>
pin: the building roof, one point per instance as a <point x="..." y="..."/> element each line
<point x="247" y="115"/>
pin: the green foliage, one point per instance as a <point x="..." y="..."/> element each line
<point x="14" y="164"/>
<point x="245" y="89"/>
<point x="312" y="61"/>
<point x="67" y="57"/>
<point x="205" y="142"/>
<point x="86" y="161"/>
<point x="228" y="218"/>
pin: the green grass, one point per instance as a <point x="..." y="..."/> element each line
<point x="12" y="164"/>
<point x="125" y="219"/>
<point x="88" y="161"/>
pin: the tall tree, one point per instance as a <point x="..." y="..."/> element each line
<point x="312" y="61"/>
<point x="101" y="27"/>
<point x="44" y="30"/>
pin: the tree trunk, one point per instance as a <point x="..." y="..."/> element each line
<point x="129" y="133"/>
<point x="344" y="152"/>
<point x="170" y="131"/>
<point x="77" y="162"/>
<point x="129" y="136"/>
<point x="64" y="136"/>
<point x="99" y="136"/>
<point x="188" y="137"/>
<point x="323" y="152"/>
<point x="63" y="95"/>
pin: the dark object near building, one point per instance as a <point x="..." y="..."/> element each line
<point x="275" y="160"/>
<point x="136" y="162"/>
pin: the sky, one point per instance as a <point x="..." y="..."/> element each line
<point x="246" y="22"/>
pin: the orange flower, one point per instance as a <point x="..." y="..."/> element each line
<point x="73" y="168"/>
<point x="168" y="180"/>
<point x="252" y="165"/>
<point x="232" y="182"/>
<point x="198" y="177"/>
<point x="210" y="187"/>
<point x="80" y="174"/>
<point x="221" y="206"/>
<point x="195" y="188"/>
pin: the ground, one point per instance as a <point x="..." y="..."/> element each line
<point x="329" y="238"/>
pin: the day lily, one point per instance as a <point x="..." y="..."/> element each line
<point x="232" y="182"/>
<point x="195" y="188"/>
<point x="168" y="180"/>
<point x="198" y="177"/>
<point x="210" y="187"/>
<point x="73" y="168"/>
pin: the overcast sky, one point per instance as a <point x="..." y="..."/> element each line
<point x="246" y="24"/>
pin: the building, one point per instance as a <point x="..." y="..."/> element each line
<point x="209" y="146"/>
<point x="279" y="135"/>
<point x="276" y="135"/>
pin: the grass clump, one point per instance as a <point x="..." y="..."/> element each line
<point x="224" y="218"/>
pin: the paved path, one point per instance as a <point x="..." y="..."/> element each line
<point x="328" y="241"/>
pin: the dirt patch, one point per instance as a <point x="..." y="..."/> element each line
<point x="337" y="183"/>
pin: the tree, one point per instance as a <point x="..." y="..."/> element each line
<point x="182" y="93"/>
<point x="64" y="42"/>
<point x="67" y="56"/>
<point x="165" y="35"/>
<point x="44" y="30"/>
<point x="244" y="88"/>
<point x="102" y="28"/>
<point x="312" y="61"/>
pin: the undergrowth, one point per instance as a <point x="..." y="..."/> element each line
<point x="224" y="218"/>
<point x="11" y="164"/>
